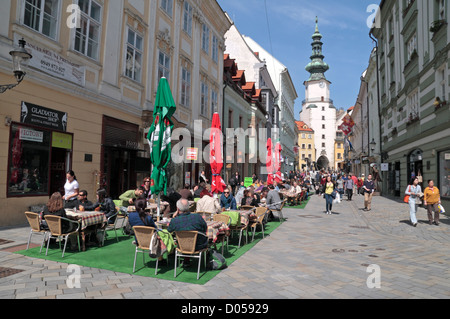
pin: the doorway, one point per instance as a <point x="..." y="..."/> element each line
<point x="119" y="168"/>
<point x="415" y="165"/>
<point x="58" y="169"/>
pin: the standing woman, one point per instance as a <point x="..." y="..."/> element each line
<point x="328" y="189"/>
<point x="71" y="189"/>
<point x="431" y="200"/>
<point x="413" y="190"/>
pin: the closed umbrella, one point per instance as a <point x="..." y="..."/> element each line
<point x="159" y="138"/>
<point x="277" y="163"/>
<point x="269" y="162"/>
<point x="216" y="160"/>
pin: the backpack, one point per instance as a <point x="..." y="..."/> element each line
<point x="216" y="261"/>
<point x="127" y="229"/>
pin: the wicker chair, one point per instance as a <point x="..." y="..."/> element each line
<point x="280" y="211"/>
<point x="109" y="226"/>
<point x="186" y="241"/>
<point x="144" y="236"/>
<point x="226" y="220"/>
<point x="55" y="225"/>
<point x="206" y="215"/>
<point x="260" y="214"/>
<point x="35" y="224"/>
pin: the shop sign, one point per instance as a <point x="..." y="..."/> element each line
<point x="248" y="181"/>
<point x="43" y="117"/>
<point x="61" y="140"/>
<point x="385" y="167"/>
<point x="31" y="135"/>
<point x="54" y="64"/>
<point x="191" y="153"/>
<point x="447" y="156"/>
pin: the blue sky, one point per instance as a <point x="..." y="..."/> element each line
<point x="342" y="23"/>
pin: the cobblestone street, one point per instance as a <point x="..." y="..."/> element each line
<point x="311" y="255"/>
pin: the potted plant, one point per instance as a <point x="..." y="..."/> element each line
<point x="437" y="25"/>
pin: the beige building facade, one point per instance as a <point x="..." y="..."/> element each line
<point x="87" y="99"/>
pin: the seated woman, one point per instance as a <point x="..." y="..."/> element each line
<point x="249" y="198"/>
<point x="139" y="217"/>
<point x="104" y="204"/>
<point x="55" y="206"/>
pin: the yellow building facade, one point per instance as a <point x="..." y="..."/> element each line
<point x="307" y="150"/>
<point x="87" y="99"/>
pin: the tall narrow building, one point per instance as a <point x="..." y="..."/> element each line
<point x="318" y="111"/>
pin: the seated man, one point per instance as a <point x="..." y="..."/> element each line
<point x="186" y="192"/>
<point x="82" y="201"/>
<point x="227" y="201"/>
<point x="273" y="200"/>
<point x="129" y="197"/>
<point x="172" y="198"/>
<point x="184" y="220"/>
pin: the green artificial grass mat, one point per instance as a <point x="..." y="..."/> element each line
<point x="302" y="206"/>
<point x="119" y="257"/>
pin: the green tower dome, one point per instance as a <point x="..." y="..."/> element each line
<point x="317" y="67"/>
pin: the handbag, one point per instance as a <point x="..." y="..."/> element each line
<point x="406" y="198"/>
<point x="419" y="177"/>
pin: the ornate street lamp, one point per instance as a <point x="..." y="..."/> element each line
<point x="373" y="145"/>
<point x="20" y="58"/>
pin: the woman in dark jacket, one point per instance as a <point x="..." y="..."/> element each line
<point x="55" y="206"/>
<point x="139" y="217"/>
<point x="105" y="203"/>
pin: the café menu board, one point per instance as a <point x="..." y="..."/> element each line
<point x="43" y="117"/>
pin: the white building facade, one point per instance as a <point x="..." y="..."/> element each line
<point x="287" y="95"/>
<point x="318" y="111"/>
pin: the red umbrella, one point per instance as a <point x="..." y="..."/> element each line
<point x="269" y="162"/>
<point x="216" y="160"/>
<point x="278" y="163"/>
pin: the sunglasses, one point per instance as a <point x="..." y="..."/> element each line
<point x="226" y="192"/>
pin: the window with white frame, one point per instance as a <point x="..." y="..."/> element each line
<point x="42" y="16"/>
<point x="441" y="9"/>
<point x="87" y="37"/>
<point x="188" y="14"/>
<point x="214" y="102"/>
<point x="205" y="38"/>
<point x="215" y="49"/>
<point x="167" y="6"/>
<point x="185" y="87"/>
<point x="412" y="46"/>
<point x="163" y="65"/>
<point x="133" y="62"/>
<point x="412" y="103"/>
<point x="204" y="99"/>
<point x="442" y="84"/>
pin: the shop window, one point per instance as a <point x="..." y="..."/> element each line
<point x="444" y="173"/>
<point x="29" y="161"/>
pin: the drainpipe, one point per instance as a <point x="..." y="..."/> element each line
<point x="378" y="98"/>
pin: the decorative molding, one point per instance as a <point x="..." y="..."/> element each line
<point x="165" y="41"/>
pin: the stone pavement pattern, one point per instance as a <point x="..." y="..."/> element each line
<point x="311" y="255"/>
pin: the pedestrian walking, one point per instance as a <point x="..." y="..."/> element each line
<point x="348" y="185"/>
<point x="369" y="188"/>
<point x="432" y="200"/>
<point x="328" y="189"/>
<point x="414" y="191"/>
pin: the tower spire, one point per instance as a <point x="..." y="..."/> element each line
<point x="317" y="67"/>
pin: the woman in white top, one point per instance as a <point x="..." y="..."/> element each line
<point x="414" y="191"/>
<point x="71" y="189"/>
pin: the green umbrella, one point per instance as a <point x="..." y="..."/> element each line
<point x="159" y="137"/>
